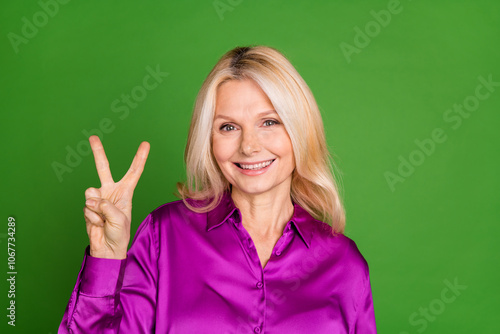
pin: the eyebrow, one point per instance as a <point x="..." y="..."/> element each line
<point x="261" y="114"/>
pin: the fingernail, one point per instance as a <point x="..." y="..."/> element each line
<point x="90" y="202"/>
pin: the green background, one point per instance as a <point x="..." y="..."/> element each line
<point x="440" y="224"/>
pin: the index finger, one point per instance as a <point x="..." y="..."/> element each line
<point x="101" y="162"/>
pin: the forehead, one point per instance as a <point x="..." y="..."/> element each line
<point x="241" y="96"/>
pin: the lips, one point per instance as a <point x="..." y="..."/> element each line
<point x="254" y="166"/>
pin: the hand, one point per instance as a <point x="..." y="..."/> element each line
<point x="108" y="210"/>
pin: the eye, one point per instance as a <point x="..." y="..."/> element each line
<point x="270" y="122"/>
<point x="227" y="127"/>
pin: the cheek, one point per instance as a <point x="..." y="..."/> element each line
<point x="290" y="157"/>
<point x="285" y="149"/>
<point x="221" y="149"/>
<point x="282" y="145"/>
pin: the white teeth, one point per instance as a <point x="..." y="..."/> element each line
<point x="256" y="166"/>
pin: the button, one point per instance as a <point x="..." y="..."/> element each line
<point x="256" y="329"/>
<point x="259" y="285"/>
<point x="278" y="253"/>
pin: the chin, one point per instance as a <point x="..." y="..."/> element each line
<point x="256" y="188"/>
<point x="252" y="191"/>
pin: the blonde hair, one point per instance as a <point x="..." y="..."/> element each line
<point x="314" y="186"/>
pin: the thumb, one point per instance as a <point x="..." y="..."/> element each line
<point x="107" y="210"/>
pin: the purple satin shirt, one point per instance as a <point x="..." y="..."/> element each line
<point x="190" y="272"/>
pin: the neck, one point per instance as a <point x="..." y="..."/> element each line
<point x="267" y="214"/>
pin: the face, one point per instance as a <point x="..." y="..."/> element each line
<point x="249" y="140"/>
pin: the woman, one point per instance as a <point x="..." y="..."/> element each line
<point x="255" y="245"/>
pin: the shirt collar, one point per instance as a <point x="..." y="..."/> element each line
<point x="301" y="219"/>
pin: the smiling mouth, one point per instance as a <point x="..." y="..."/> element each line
<point x="255" y="166"/>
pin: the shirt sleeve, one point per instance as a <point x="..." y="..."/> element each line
<point x="365" y="314"/>
<point x="116" y="296"/>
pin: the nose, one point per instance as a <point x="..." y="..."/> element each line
<point x="249" y="143"/>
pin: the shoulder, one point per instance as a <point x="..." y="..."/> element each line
<point x="341" y="249"/>
<point x="176" y="213"/>
<point x="168" y="207"/>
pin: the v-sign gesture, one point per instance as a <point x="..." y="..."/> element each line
<point x="108" y="210"/>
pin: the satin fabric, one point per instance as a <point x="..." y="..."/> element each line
<point x="190" y="272"/>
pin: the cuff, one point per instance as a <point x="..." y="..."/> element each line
<point x="101" y="277"/>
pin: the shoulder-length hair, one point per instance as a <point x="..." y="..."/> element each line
<point x="314" y="185"/>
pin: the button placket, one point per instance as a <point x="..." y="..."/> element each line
<point x="248" y="244"/>
<point x="283" y="240"/>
